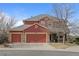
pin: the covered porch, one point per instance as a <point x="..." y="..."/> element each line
<point x="58" y="37"/>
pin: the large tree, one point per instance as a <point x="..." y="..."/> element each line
<point x="65" y="12"/>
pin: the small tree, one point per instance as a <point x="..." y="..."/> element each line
<point x="6" y="23"/>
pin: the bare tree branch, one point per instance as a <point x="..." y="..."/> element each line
<point x="6" y="23"/>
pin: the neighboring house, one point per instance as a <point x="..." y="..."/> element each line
<point x="40" y="29"/>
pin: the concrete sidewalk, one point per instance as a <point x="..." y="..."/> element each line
<point x="42" y="47"/>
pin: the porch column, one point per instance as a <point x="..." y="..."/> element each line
<point x="63" y="38"/>
<point x="47" y="38"/>
<point x="67" y="36"/>
<point x="58" y="35"/>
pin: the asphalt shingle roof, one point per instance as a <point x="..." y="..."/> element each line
<point x="20" y="28"/>
<point x="38" y="17"/>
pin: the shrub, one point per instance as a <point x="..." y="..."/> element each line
<point x="77" y="41"/>
<point x="70" y="40"/>
<point x="3" y="38"/>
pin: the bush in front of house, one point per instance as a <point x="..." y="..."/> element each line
<point x="71" y="40"/>
<point x="77" y="41"/>
<point x="3" y="39"/>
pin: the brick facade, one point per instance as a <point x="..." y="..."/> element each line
<point x="33" y="34"/>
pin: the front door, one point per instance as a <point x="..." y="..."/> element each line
<point x="53" y="37"/>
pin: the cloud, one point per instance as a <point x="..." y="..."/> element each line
<point x="18" y="23"/>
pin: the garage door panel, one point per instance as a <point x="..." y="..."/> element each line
<point x="16" y="37"/>
<point x="36" y="38"/>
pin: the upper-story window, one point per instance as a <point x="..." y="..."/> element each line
<point x="50" y="24"/>
<point x="42" y="22"/>
<point x="46" y="18"/>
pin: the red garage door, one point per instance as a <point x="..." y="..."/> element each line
<point x="36" y="38"/>
<point x="16" y="37"/>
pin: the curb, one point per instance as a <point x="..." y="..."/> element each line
<point x="33" y="49"/>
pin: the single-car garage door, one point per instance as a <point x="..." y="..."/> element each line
<point x="36" y="38"/>
<point x="16" y="37"/>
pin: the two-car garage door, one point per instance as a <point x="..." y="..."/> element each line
<point x="36" y="38"/>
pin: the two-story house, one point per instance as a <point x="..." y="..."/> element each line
<point x="40" y="29"/>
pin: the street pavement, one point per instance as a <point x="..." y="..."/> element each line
<point x="36" y="53"/>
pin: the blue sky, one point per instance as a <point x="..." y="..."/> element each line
<point x="21" y="10"/>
